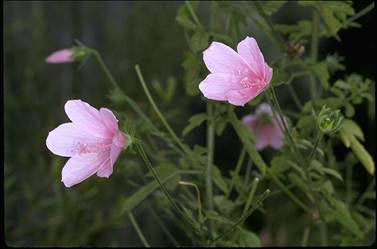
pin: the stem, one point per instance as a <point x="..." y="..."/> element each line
<point x="164" y="228"/>
<point x="359" y="14"/>
<point x="314" y="43"/>
<point x="251" y="195"/>
<point x="295" y="98"/>
<point x="200" y="216"/>
<point x="192" y="12"/>
<point x="159" y="114"/>
<point x="259" y="202"/>
<point x="305" y="236"/>
<point x="164" y="190"/>
<point x="255" y="156"/>
<point x="138" y="231"/>
<point x="323" y="233"/>
<point x="317" y="140"/>
<point x="210" y="148"/>
<point x="237" y="170"/>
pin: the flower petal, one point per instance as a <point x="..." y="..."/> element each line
<point x="77" y="169"/>
<point x="267" y="73"/>
<point x="216" y="85"/>
<point x="60" y="56"/>
<point x="262" y="137"/>
<point x="87" y="118"/>
<point x="109" y="119"/>
<point x="68" y="140"/>
<point x="219" y="58"/>
<point x="248" y="49"/>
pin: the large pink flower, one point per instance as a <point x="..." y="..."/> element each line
<point x="236" y="77"/>
<point x="60" y="56"/>
<point x="93" y="141"/>
<point x="265" y="127"/>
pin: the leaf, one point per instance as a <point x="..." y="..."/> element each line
<point x="322" y="73"/>
<point x="245" y="238"/>
<point x="183" y="18"/>
<point x="316" y="165"/>
<point x="199" y="41"/>
<point x="297" y="180"/>
<point x="213" y="215"/>
<point x="350" y="110"/>
<point x="218" y="179"/>
<point x="363" y="155"/>
<point x="279" y="165"/>
<point x="164" y="170"/>
<point x="194" y="121"/>
<point x="272" y="6"/>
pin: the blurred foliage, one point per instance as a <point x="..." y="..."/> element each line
<point x="167" y="40"/>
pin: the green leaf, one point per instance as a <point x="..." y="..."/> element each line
<point x="279" y="165"/>
<point x="165" y="170"/>
<point x="272" y="6"/>
<point x="183" y="18"/>
<point x="297" y="180"/>
<point x="213" y="215"/>
<point x="245" y="238"/>
<point x="199" y="41"/>
<point x="321" y="71"/>
<point x="350" y="110"/>
<point x="218" y="179"/>
<point x="363" y="155"/>
<point x="194" y="122"/>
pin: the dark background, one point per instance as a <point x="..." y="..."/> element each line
<point x="38" y="209"/>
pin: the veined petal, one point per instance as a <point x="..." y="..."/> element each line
<point x="216" y="85"/>
<point x="109" y="119"/>
<point x="68" y="140"/>
<point x="79" y="168"/>
<point x="248" y="49"/>
<point x="87" y="118"/>
<point x="267" y="73"/>
<point x="219" y="58"/>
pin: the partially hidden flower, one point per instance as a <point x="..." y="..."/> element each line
<point x="68" y="55"/>
<point x="236" y="77"/>
<point x="92" y="140"/>
<point x="329" y="121"/>
<point x="265" y="127"/>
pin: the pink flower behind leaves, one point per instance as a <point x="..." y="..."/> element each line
<point x="60" y="56"/>
<point x="265" y="127"/>
<point x="92" y="140"/>
<point x="236" y="77"/>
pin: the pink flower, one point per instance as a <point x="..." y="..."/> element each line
<point x="93" y="141"/>
<point x="265" y="127"/>
<point x="60" y="56"/>
<point x="236" y="77"/>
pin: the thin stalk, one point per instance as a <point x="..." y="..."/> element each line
<point x="359" y="14"/>
<point x="210" y="149"/>
<point x="164" y="190"/>
<point x="251" y="195"/>
<point x="305" y="236"/>
<point x="323" y="233"/>
<point x="159" y="114"/>
<point x="200" y="216"/>
<point x="192" y="12"/>
<point x="316" y="143"/>
<point x="138" y="230"/>
<point x="362" y="197"/>
<point x="295" y="98"/>
<point x="262" y="166"/>
<point x="259" y="203"/>
<point x="314" y="42"/>
<point x="237" y="170"/>
<point x="163" y="227"/>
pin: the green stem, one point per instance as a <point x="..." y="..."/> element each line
<point x="314" y="42"/>
<point x="138" y="231"/>
<point x="295" y="98"/>
<point x="305" y="236"/>
<point x="163" y="227"/>
<point x="259" y="203"/>
<point x="200" y="216"/>
<point x="210" y="149"/>
<point x="192" y="12"/>
<point x="316" y="143"/>
<point x="237" y="170"/>
<point x="251" y="195"/>
<point x="159" y="114"/>
<point x="163" y="188"/>
<point x="257" y="159"/>
<point x="359" y="14"/>
<point x="323" y="233"/>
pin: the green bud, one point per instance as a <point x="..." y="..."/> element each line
<point x="80" y="53"/>
<point x="329" y="121"/>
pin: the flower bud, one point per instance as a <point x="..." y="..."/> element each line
<point x="68" y="55"/>
<point x="329" y="121"/>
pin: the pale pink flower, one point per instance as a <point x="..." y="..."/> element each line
<point x="265" y="127"/>
<point x="60" y="56"/>
<point x="93" y="141"/>
<point x="236" y="77"/>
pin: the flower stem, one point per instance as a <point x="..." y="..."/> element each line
<point x="251" y="195"/>
<point x="200" y="216"/>
<point x="360" y="14"/>
<point x="295" y="98"/>
<point x="259" y="203"/>
<point x="192" y="12"/>
<point x="210" y="149"/>
<point x="236" y="171"/>
<point x="255" y="156"/>
<point x="163" y="227"/>
<point x="159" y="114"/>
<point x="305" y="236"/>
<point x="138" y="231"/>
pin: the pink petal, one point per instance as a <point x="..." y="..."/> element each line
<point x="77" y="169"/>
<point x="61" y="56"/>
<point x="268" y="73"/>
<point x="109" y="119"/>
<point x="68" y="140"/>
<point x="106" y="171"/>
<point x="264" y="108"/>
<point x="216" y="85"/>
<point x="87" y="118"/>
<point x="243" y="96"/>
<point x="219" y="58"/>
<point x="248" y="49"/>
<point x="249" y="120"/>
<point x="262" y="137"/>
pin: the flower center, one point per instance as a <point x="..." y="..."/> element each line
<point x="245" y="82"/>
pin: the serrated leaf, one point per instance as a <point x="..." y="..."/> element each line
<point x="199" y="41"/>
<point x="321" y="71"/>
